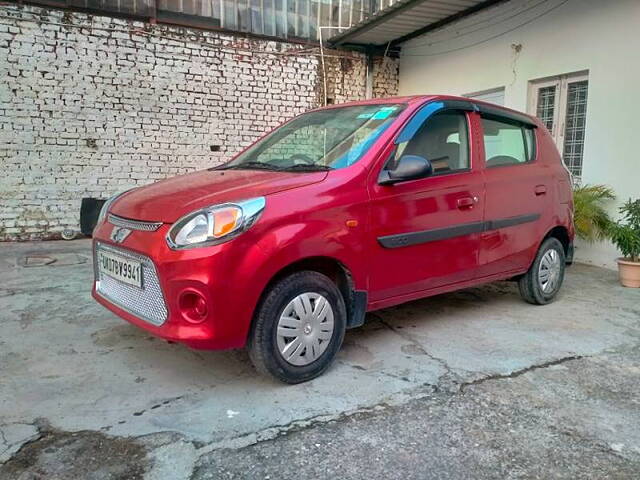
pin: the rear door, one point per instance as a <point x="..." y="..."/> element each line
<point x="425" y="232"/>
<point x="518" y="192"/>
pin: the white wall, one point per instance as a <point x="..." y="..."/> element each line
<point x="482" y="53"/>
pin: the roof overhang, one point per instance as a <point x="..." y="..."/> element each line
<point x="407" y="19"/>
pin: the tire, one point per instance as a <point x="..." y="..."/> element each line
<point x="302" y="306"/>
<point x="532" y="285"/>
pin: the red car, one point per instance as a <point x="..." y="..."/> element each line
<point x="338" y="212"/>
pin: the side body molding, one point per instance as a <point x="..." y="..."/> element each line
<point x="424" y="236"/>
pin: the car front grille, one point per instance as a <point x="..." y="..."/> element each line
<point x="133" y="224"/>
<point x="148" y="303"/>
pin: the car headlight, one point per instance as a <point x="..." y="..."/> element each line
<point x="107" y="205"/>
<point x="215" y="224"/>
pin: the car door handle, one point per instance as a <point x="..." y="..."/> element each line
<point x="466" y="202"/>
<point x="540" y="189"/>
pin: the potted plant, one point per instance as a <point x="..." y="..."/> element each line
<point x="625" y="234"/>
<point x="591" y="220"/>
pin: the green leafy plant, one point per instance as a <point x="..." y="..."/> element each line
<point x="625" y="234"/>
<point x="590" y="217"/>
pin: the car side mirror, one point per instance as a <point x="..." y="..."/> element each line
<point x="409" y="167"/>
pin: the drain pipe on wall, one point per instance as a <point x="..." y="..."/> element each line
<point x="369" y="76"/>
<point x="369" y="72"/>
<point x="324" y="71"/>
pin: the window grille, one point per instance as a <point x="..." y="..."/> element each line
<point x="288" y="19"/>
<point x="546" y="105"/>
<point x="575" y="126"/>
<point x="561" y="104"/>
<point x="293" y="19"/>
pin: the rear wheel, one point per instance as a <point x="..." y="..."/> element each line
<point x="298" y="328"/>
<point x="542" y="282"/>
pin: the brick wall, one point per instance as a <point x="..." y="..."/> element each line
<point x="92" y="105"/>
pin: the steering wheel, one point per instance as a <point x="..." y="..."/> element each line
<point x="302" y="157"/>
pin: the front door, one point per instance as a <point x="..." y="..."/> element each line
<point x="425" y="232"/>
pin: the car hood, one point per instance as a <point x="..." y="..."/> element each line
<point x="168" y="200"/>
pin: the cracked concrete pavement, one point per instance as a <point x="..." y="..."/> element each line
<point x="473" y="383"/>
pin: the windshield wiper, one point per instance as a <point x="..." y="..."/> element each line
<point x="253" y="165"/>
<point x="249" y="166"/>
<point x="306" y="167"/>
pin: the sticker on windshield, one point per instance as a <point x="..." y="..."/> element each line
<point x="383" y="113"/>
<point x="365" y="115"/>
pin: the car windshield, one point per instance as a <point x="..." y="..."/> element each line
<point x="322" y="140"/>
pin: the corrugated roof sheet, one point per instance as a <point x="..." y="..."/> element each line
<point x="407" y="18"/>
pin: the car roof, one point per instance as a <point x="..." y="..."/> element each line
<point x="419" y="99"/>
<point x="376" y="101"/>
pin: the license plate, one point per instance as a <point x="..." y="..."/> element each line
<point x="123" y="269"/>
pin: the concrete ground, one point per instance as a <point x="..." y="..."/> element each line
<point x="471" y="384"/>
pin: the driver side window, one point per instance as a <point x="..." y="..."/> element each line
<point x="443" y="139"/>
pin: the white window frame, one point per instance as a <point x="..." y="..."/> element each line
<point x="561" y="84"/>
<point x="483" y="93"/>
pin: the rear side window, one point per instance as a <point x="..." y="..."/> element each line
<point x="507" y="143"/>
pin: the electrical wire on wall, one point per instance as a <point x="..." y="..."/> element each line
<point x="467" y="29"/>
<point x="523" y="24"/>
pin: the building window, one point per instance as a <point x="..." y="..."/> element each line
<point x="574" y="126"/>
<point x="296" y="19"/>
<point x="561" y="104"/>
<point x="495" y="95"/>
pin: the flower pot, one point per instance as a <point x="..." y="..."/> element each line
<point x="629" y="273"/>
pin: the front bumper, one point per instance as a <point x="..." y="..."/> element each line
<point x="225" y="275"/>
<point x="147" y="303"/>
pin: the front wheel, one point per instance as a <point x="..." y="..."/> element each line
<point x="298" y="328"/>
<point x="544" y="278"/>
